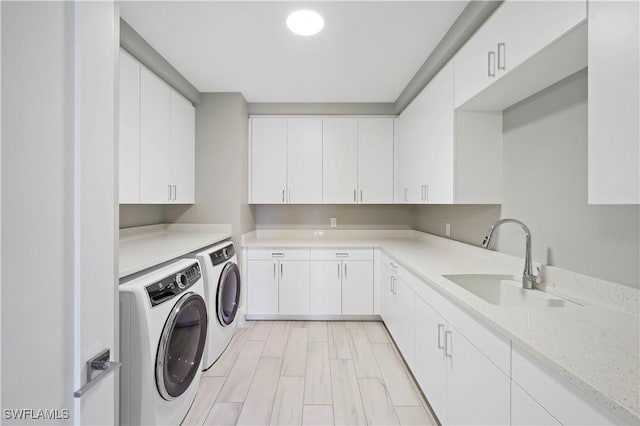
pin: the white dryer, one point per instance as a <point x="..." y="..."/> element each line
<point x="222" y="294"/>
<point x="163" y="330"/>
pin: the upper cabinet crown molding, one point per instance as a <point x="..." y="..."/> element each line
<point x="157" y="139"/>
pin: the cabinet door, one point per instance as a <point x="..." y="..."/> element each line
<point x="357" y="287"/>
<point x="405" y="321"/>
<point x="293" y="289"/>
<point x="304" y="160"/>
<point x="262" y="287"/>
<point x="430" y="367"/>
<point x="183" y="143"/>
<point x="526" y="411"/>
<point x="375" y="160"/>
<point x="386" y="295"/>
<point x="475" y="64"/>
<point x="339" y="160"/>
<point x="614" y="89"/>
<point x="129" y="136"/>
<point x="525" y="27"/>
<point x="268" y="160"/>
<point x="477" y="391"/>
<point x="325" y="287"/>
<point x="155" y="139"/>
<point x="437" y="155"/>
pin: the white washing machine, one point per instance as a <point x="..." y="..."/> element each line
<point x="163" y="330"/>
<point x="222" y="294"/>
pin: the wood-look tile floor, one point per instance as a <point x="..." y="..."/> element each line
<point x="309" y="373"/>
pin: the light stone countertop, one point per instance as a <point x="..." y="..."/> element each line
<point x="148" y="246"/>
<point x="594" y="346"/>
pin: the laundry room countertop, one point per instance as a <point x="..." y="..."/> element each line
<point x="148" y="246"/>
<point x="593" y="345"/>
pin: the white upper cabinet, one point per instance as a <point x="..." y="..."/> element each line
<point x="536" y="33"/>
<point x="129" y="140"/>
<point x="182" y="149"/>
<point x="304" y="152"/>
<point x="526" y="27"/>
<point x="375" y="160"/>
<point x="339" y="160"/>
<point x="268" y="160"/>
<point x="155" y="139"/>
<point x="614" y="135"/>
<point x="475" y="63"/>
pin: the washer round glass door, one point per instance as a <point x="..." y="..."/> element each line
<point x="228" y="296"/>
<point x="181" y="346"/>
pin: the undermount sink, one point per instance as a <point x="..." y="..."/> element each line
<point x="504" y="290"/>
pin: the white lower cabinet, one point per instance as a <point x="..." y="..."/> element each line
<point x="462" y="385"/>
<point x="262" y="294"/>
<point x="326" y="287"/>
<point x="293" y="287"/>
<point x="310" y="282"/>
<point x="525" y="411"/>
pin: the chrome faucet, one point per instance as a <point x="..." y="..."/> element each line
<point x="528" y="278"/>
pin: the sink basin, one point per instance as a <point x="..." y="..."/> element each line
<point x="504" y="290"/>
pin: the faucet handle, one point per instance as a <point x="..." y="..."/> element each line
<point x="538" y="277"/>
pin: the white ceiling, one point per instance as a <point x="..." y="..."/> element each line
<point x="367" y="52"/>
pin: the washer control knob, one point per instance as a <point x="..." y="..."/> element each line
<point x="182" y="280"/>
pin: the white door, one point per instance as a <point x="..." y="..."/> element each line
<point x="525" y="27"/>
<point x="437" y="154"/>
<point x="293" y="289"/>
<point x="262" y="287"/>
<point x="357" y="287"/>
<point x="183" y="144"/>
<point x="268" y="160"/>
<point x="129" y="134"/>
<point x="325" y="293"/>
<point x="405" y="314"/>
<point x="155" y="139"/>
<point x="430" y="368"/>
<point x="525" y="411"/>
<point x="375" y="160"/>
<point x="94" y="208"/>
<point x="304" y="160"/>
<point x="339" y="160"/>
<point x="475" y="64"/>
<point x="478" y="392"/>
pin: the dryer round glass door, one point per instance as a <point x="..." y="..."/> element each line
<point x="181" y="346"/>
<point x="228" y="296"/>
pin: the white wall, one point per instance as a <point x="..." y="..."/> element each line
<point x="545" y="186"/>
<point x="37" y="136"/>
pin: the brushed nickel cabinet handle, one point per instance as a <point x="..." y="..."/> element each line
<point x="440" y="329"/>
<point x="447" y="346"/>
<point x="491" y="60"/>
<point x="502" y="56"/>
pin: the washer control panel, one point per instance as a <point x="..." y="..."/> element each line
<point x="174" y="284"/>
<point x="222" y="255"/>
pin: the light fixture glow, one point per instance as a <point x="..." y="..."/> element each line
<point x="305" y="22"/>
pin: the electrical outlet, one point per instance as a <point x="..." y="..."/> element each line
<point x="333" y="222"/>
<point x="447" y="229"/>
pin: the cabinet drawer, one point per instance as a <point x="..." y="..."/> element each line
<point x="270" y="254"/>
<point x="342" y="254"/>
<point x="560" y="398"/>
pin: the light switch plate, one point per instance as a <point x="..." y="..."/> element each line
<point x="333" y="222"/>
<point x="447" y="229"/>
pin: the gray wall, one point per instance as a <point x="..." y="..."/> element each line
<point x="545" y="153"/>
<point x="469" y="223"/>
<point x="140" y="215"/>
<point x="221" y="166"/>
<point x="348" y="216"/>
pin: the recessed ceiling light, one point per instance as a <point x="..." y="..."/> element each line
<point x="305" y="22"/>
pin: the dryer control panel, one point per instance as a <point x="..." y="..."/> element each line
<point x="222" y="255"/>
<point x="172" y="285"/>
